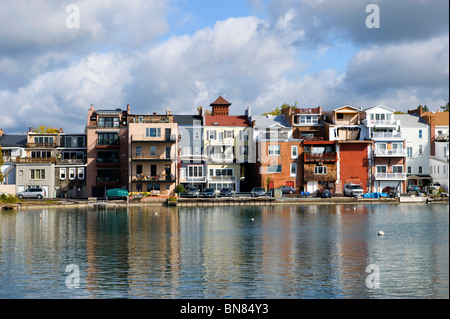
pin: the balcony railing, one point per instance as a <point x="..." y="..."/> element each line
<point x="222" y="157"/>
<point x="190" y="179"/>
<point x="73" y="161"/>
<point x="368" y="122"/>
<point x="114" y="144"/>
<point x="31" y="160"/>
<point x="320" y="157"/>
<point x="107" y="180"/>
<point x="386" y="135"/>
<point x="41" y="145"/>
<point x="150" y="178"/>
<point x="222" y="178"/>
<point x="172" y="138"/>
<point x="147" y="156"/>
<point x="390" y="176"/>
<point x="392" y="152"/>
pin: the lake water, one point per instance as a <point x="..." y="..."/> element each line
<point x="310" y="251"/>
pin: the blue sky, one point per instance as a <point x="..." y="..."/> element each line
<point x="179" y="54"/>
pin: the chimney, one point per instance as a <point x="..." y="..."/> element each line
<point x="128" y="108"/>
<point x="168" y="111"/>
<point x="253" y="123"/>
<point x="1" y="132"/>
<point x="432" y="122"/>
<point x="60" y="130"/>
<point x="320" y="109"/>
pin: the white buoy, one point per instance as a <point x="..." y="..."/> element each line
<point x="380" y="233"/>
<point x="253" y="219"/>
<point x="156" y="213"/>
<point x="354" y="208"/>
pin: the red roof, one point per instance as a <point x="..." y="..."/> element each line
<point x="220" y="101"/>
<point x="226" y="120"/>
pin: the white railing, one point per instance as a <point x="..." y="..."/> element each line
<point x="392" y="152"/>
<point x="386" y="135"/>
<point x="390" y="176"/>
<point x="222" y="157"/>
<point x="381" y="122"/>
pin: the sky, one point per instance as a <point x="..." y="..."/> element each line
<point x="180" y="54"/>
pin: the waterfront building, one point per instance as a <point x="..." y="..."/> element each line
<point x="37" y="167"/>
<point x="12" y="146"/>
<point x="439" y="162"/>
<point x="107" y="150"/>
<point x="278" y="155"/>
<point x="191" y="161"/>
<point x="153" y="149"/>
<point x="345" y="126"/>
<point x="70" y="167"/>
<point x="417" y="138"/>
<point x="226" y="145"/>
<point x="389" y="153"/>
<point x="306" y="123"/>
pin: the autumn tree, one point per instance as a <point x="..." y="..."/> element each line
<point x="45" y="129"/>
<point x="278" y="110"/>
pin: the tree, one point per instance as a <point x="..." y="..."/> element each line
<point x="424" y="108"/>
<point x="278" y="110"/>
<point x="44" y="129"/>
<point x="445" y="108"/>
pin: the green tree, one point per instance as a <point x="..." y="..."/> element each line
<point x="445" y="108"/>
<point x="278" y="110"/>
<point x="424" y="108"/>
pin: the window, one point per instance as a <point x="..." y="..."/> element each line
<point x="211" y="135"/>
<point x="243" y="150"/>
<point x="340" y="116"/>
<point x="381" y="169"/>
<point x="168" y="151"/>
<point x="153" y="150"/>
<point x="309" y="119"/>
<point x="409" y="170"/>
<point x="71" y="173"/>
<point x="138" y="150"/>
<point x="274" y="169"/>
<point x="153" y="132"/>
<point x="62" y="173"/>
<point x="81" y="173"/>
<point x="195" y="171"/>
<point x="43" y="139"/>
<point x="108" y="139"/>
<point x="397" y="169"/>
<point x="197" y="135"/>
<point x="138" y="169"/>
<point x="243" y="135"/>
<point x="293" y="170"/>
<point x="420" y="149"/>
<point x="75" y="141"/>
<point x="37" y="174"/>
<point x="294" y="151"/>
<point x="229" y="134"/>
<point x="320" y="170"/>
<point x="108" y="122"/>
<point x="409" y="151"/>
<point x="420" y="133"/>
<point x="420" y="169"/>
<point x="274" y="150"/>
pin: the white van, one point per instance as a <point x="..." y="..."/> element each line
<point x="353" y="190"/>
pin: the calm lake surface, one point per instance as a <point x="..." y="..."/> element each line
<point x="310" y="251"/>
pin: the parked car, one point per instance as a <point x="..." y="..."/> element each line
<point x="36" y="192"/>
<point x="226" y="192"/>
<point x="353" y="190"/>
<point x="413" y="188"/>
<point x="258" y="191"/>
<point x="324" y="193"/>
<point x="390" y="190"/>
<point x="287" y="189"/>
<point x="208" y="192"/>
<point x="191" y="191"/>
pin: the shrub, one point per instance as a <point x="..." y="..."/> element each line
<point x="179" y="189"/>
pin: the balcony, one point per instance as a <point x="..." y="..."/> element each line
<point x="196" y="179"/>
<point x="157" y="178"/>
<point x="71" y="161"/>
<point x="222" y="178"/>
<point x="41" y="145"/>
<point x="31" y="160"/>
<point x="386" y="135"/>
<point x="381" y="123"/>
<point x="156" y="139"/>
<point x="320" y="157"/>
<point x="113" y="145"/>
<point x="390" y="153"/>
<point x="228" y="141"/>
<point x="107" y="162"/>
<point x="107" y="181"/>
<point x="149" y="157"/>
<point x="222" y="158"/>
<point x="389" y="176"/>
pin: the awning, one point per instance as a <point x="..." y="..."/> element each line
<point x="419" y="176"/>
<point x="117" y="192"/>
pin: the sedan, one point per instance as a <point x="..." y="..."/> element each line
<point x="413" y="188"/>
<point x="258" y="191"/>
<point x="287" y="189"/>
<point x="324" y="193"/>
<point x="226" y="192"/>
<point x="208" y="192"/>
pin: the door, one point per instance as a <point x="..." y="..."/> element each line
<point x="45" y="187"/>
<point x="271" y="184"/>
<point x="312" y="186"/>
<point x="290" y="183"/>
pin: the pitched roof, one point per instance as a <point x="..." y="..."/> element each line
<point x="441" y="118"/>
<point x="348" y="107"/>
<point x="13" y="140"/>
<point x="226" y="120"/>
<point x="380" y="106"/>
<point x="266" y="121"/>
<point x="220" y="101"/>
<point x="188" y="120"/>
<point x="410" y="120"/>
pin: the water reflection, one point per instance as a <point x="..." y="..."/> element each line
<point x="227" y="252"/>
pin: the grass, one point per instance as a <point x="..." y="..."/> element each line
<point x="8" y="199"/>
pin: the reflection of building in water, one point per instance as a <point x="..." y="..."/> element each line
<point x="153" y="252"/>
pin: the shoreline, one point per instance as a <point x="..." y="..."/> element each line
<point x="212" y="202"/>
